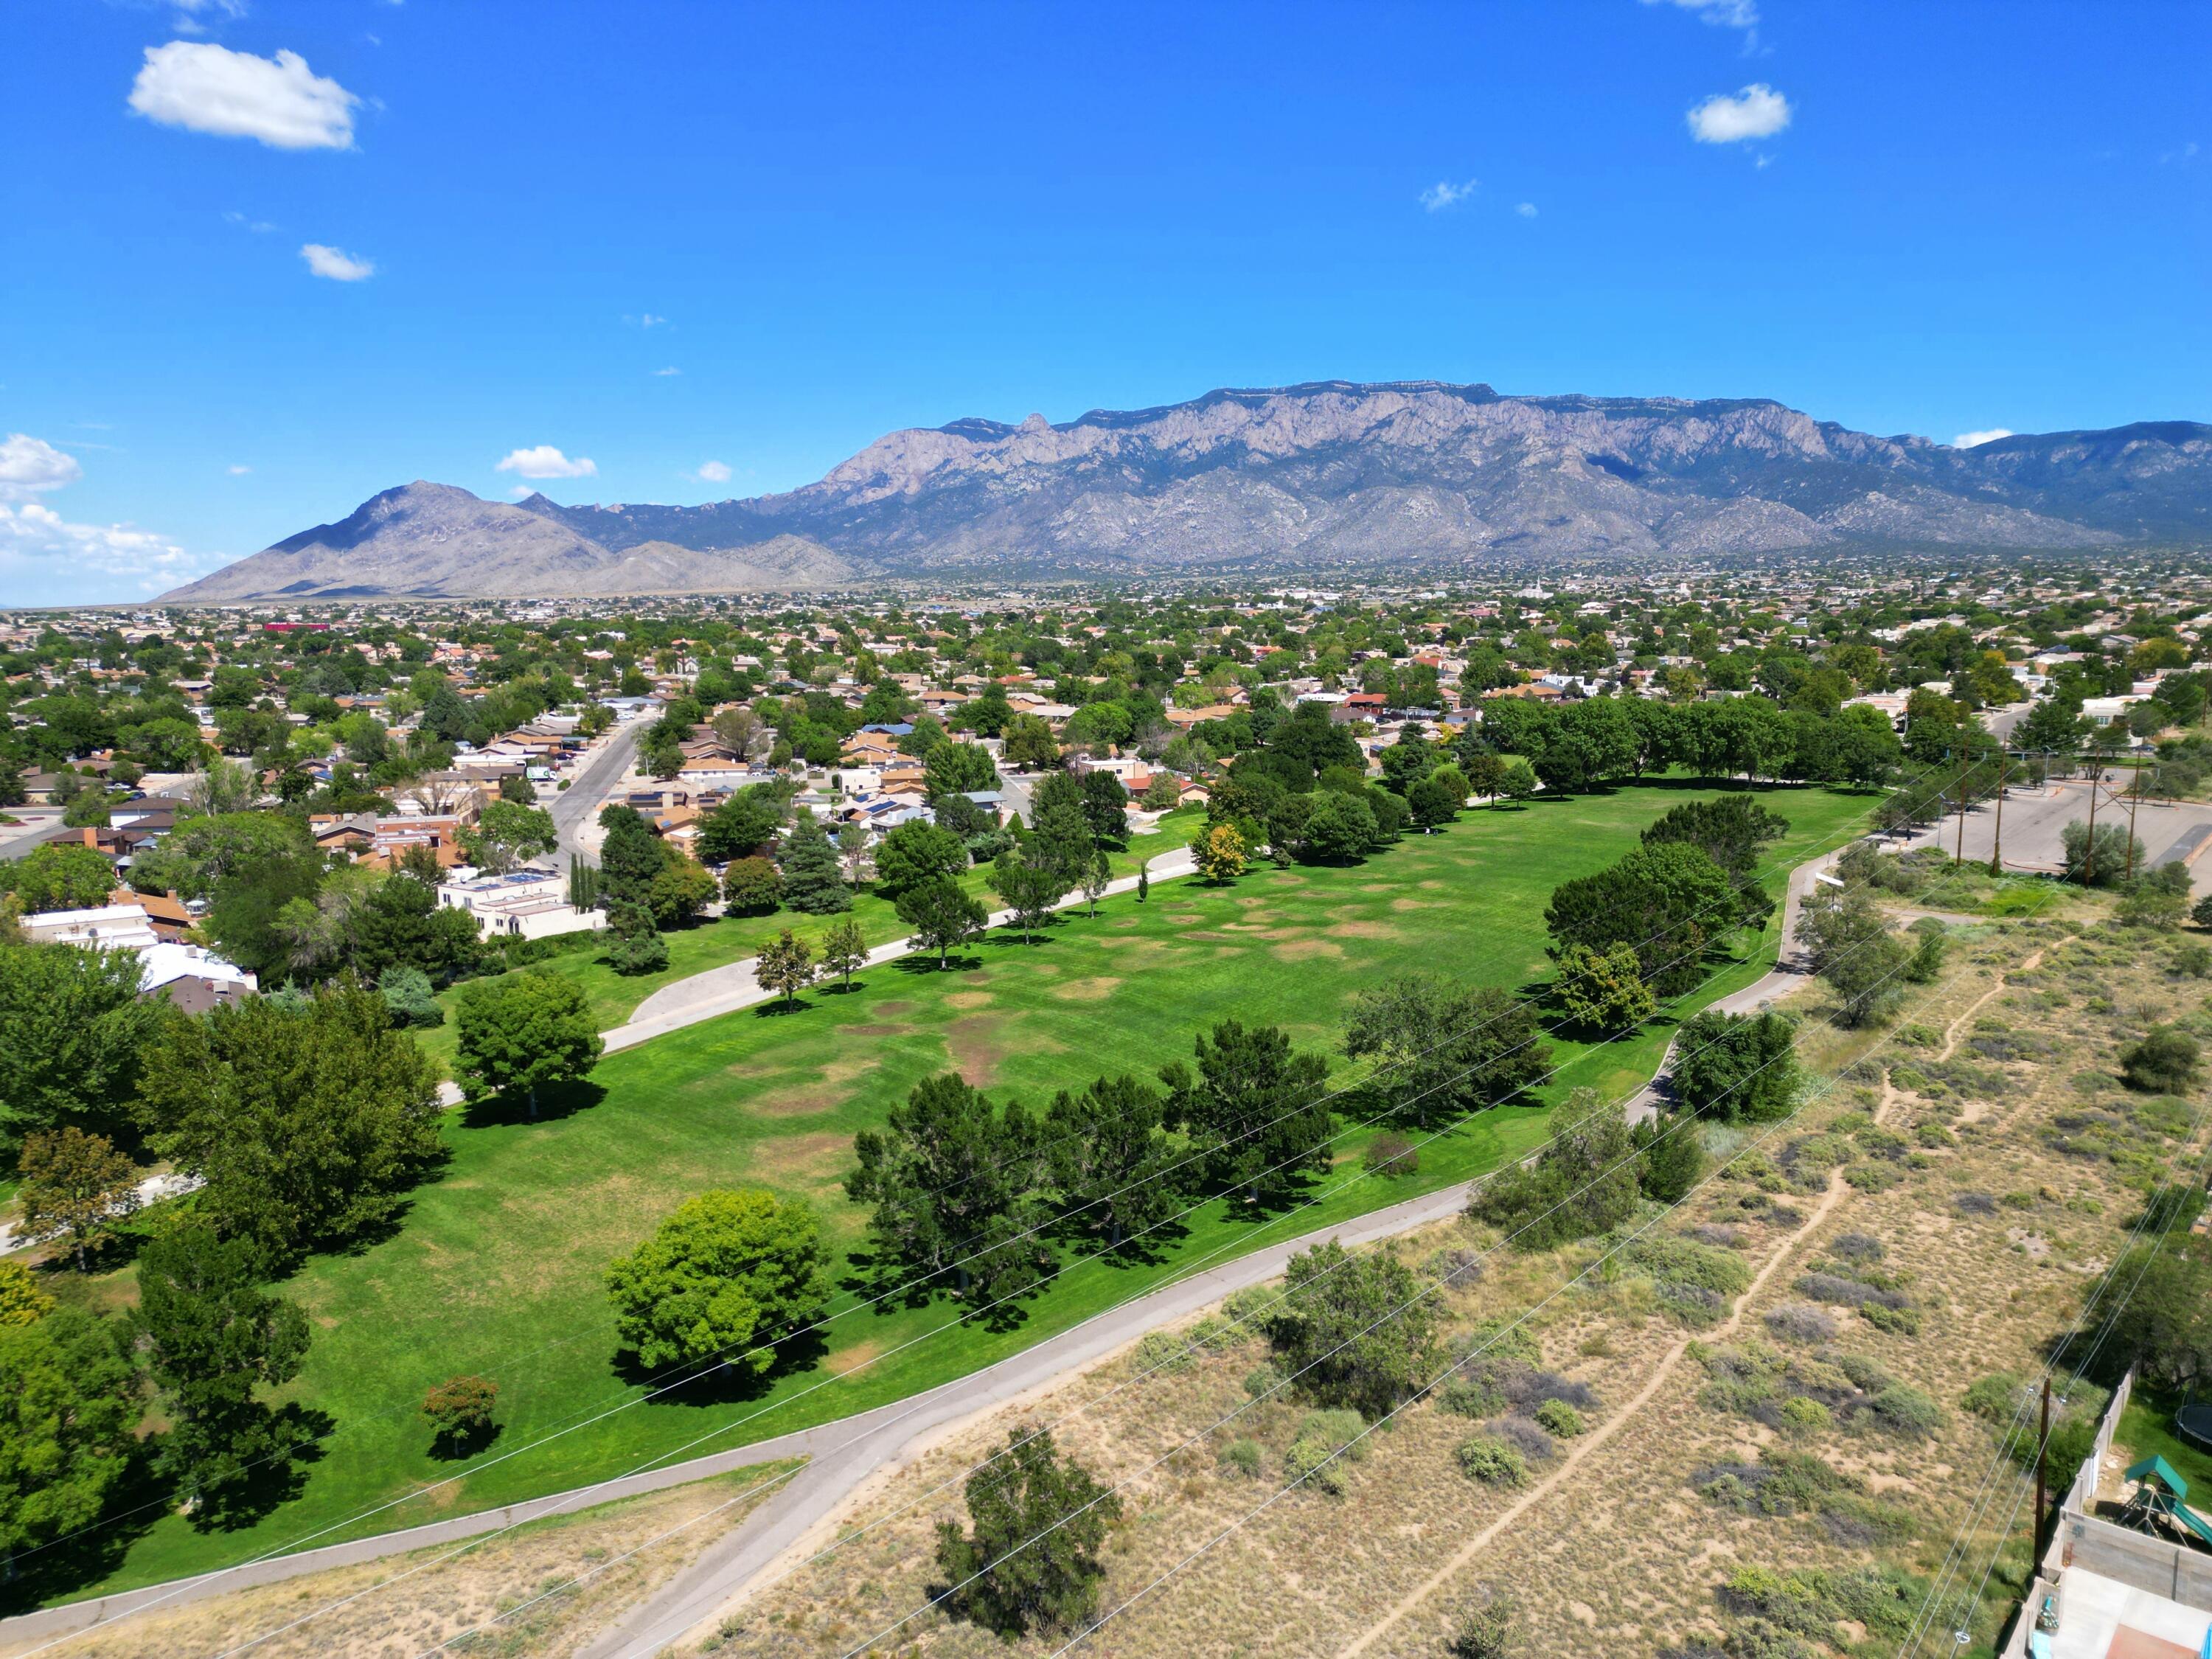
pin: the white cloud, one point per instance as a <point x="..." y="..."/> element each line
<point x="648" y="319"/>
<point x="1757" y="112"/>
<point x="335" y="263"/>
<point x="1526" y="210"/>
<point x="29" y="464"/>
<point x="239" y="472"/>
<point x="1443" y="194"/>
<point x="547" y="462"/>
<point x="664" y="373"/>
<point x="713" y="472"/>
<point x="32" y="534"/>
<point x="1968" y="440"/>
<point x="204" y="88"/>
<point x="258" y="227"/>
<point x="1723" y="14"/>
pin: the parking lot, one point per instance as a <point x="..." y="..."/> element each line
<point x="2034" y="819"/>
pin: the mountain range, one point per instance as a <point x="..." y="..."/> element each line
<point x="1418" y="474"/>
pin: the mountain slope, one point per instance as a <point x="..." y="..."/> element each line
<point x="1415" y="472"/>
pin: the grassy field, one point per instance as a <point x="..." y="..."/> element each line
<point x="495" y="1269"/>
<point x="715" y="943"/>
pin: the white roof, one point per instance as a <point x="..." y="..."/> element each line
<point x="166" y="962"/>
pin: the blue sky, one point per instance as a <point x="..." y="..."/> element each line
<point x="830" y="222"/>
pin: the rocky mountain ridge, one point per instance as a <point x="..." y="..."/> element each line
<point x="1419" y="473"/>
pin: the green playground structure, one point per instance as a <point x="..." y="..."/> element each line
<point x="2156" y="1504"/>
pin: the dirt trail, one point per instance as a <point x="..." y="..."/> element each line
<point x="1836" y="1193"/>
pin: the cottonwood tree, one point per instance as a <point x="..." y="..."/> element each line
<point x="752" y="887"/>
<point x="519" y="1033"/>
<point x="77" y="1035"/>
<point x="727" y="1276"/>
<point x="1733" y="831"/>
<point x="1667" y="902"/>
<point x="1603" y="991"/>
<point x="69" y="1412"/>
<point x="505" y="833"/>
<point x="940" y="915"/>
<point x="308" y="1121"/>
<point x="917" y="852"/>
<point x="1254" y="1111"/>
<point x="1442" y="1049"/>
<point x="75" y="1185"/>
<point x="212" y="1339"/>
<point x="1030" y="1559"/>
<point x="56" y="877"/>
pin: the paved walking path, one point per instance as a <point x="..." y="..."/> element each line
<point x="1790" y="970"/>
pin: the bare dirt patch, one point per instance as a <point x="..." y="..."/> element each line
<point x="797" y="1103"/>
<point x="878" y="1031"/>
<point x="1304" y="950"/>
<point x="795" y="1158"/>
<point x="1087" y="990"/>
<point x="969" y="1000"/>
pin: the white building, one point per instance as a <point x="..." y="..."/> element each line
<point x="526" y="904"/>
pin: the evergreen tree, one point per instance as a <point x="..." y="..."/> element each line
<point x="813" y="878"/>
<point x="212" y="1337"/>
<point x="1255" y="1111"/>
<point x="954" y="1187"/>
<point x="1110" y="1159"/>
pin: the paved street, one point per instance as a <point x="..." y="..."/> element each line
<point x="2034" y="819"/>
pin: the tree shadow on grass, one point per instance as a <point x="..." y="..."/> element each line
<point x="778" y="1008"/>
<point x="555" y="1101"/>
<point x="45" y="1573"/>
<point x="238" y="1505"/>
<point x="718" y="1381"/>
<point x="924" y="963"/>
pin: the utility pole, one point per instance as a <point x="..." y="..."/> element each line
<point x="1996" y="840"/>
<point x="2042" y="1444"/>
<point x="2135" y="800"/>
<point x="1959" y="850"/>
<point x="2089" y="860"/>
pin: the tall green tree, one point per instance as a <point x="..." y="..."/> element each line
<point x="68" y="1407"/>
<point x="813" y="878"/>
<point x="77" y="1035"/>
<point x="916" y="852"/>
<point x="1112" y="1160"/>
<point x="727" y="1276"/>
<point x="59" y="876"/>
<point x="519" y="1033"/>
<point x="1667" y="902"/>
<point x="1255" y="1111"/>
<point x="1737" y="1067"/>
<point x="1442" y="1049"/>
<point x="954" y="1186"/>
<point x="309" y="1122"/>
<point x="75" y="1185"/>
<point x="1030" y="1559"/>
<point x="1734" y="831"/>
<point x="1029" y="883"/>
<point x="212" y="1339"/>
<point x="507" y="833"/>
<point x="940" y="915"/>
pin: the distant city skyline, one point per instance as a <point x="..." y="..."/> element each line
<point x="266" y="261"/>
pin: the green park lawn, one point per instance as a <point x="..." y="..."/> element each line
<point x="495" y="1269"/>
<point x="715" y="943"/>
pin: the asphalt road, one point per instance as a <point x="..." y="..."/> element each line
<point x="576" y="808"/>
<point x="2034" y="820"/>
